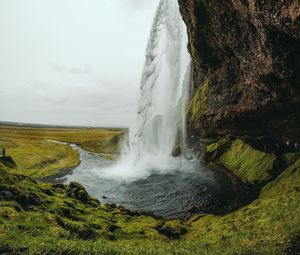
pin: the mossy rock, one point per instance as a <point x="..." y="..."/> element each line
<point x="248" y="164"/>
<point x="215" y="150"/>
<point x="77" y="191"/>
<point x="173" y="230"/>
<point x="197" y="105"/>
<point x="288" y="181"/>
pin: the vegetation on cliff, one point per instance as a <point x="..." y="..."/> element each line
<point x="250" y="50"/>
<point x="196" y="106"/>
<point x="247" y="163"/>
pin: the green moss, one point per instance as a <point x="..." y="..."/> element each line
<point x="212" y="147"/>
<point x="247" y="163"/>
<point x="287" y="182"/>
<point x="193" y="49"/>
<point x="68" y="210"/>
<point x="264" y="227"/>
<point x="215" y="150"/>
<point x="63" y="224"/>
<point x="197" y="104"/>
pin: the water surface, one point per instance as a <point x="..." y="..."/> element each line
<point x="170" y="195"/>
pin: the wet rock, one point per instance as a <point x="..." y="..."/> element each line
<point x="176" y="152"/>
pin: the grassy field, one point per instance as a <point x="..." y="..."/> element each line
<point x="39" y="218"/>
<point x="37" y="156"/>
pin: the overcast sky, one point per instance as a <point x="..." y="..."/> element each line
<point x="74" y="62"/>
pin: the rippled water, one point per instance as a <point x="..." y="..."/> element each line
<point x="170" y="195"/>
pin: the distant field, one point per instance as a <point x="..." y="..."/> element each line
<point x="38" y="157"/>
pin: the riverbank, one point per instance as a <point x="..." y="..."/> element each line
<point x="39" y="218"/>
<point x="36" y="155"/>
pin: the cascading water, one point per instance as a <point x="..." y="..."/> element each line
<point x="163" y="93"/>
<point x="146" y="177"/>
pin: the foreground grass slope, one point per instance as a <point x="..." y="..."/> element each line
<point x="36" y="154"/>
<point x="56" y="219"/>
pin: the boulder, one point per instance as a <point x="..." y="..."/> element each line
<point x="78" y="192"/>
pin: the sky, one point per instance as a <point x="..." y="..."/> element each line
<point x="72" y="62"/>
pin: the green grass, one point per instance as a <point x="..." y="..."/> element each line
<point x="39" y="218"/>
<point x="266" y="226"/>
<point x="247" y="163"/>
<point x="196" y="107"/>
<point x="38" y="157"/>
<point x="69" y="222"/>
<point x="65" y="216"/>
<point x="41" y="158"/>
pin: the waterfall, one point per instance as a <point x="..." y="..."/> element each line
<point x="163" y="95"/>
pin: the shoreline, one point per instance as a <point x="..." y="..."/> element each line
<point x="54" y="179"/>
<point x="242" y="194"/>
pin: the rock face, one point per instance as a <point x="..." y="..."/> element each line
<point x="246" y="67"/>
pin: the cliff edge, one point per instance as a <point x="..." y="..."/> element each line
<point x="246" y="67"/>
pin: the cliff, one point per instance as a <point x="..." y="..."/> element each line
<point x="246" y="67"/>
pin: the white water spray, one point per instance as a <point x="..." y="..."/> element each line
<point x="163" y="95"/>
